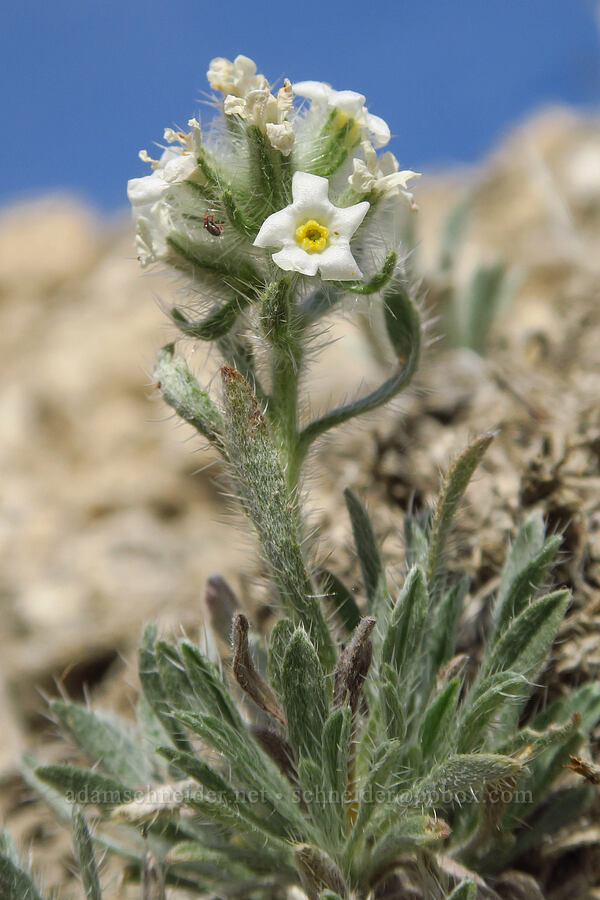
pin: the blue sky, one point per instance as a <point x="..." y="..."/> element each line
<point x="91" y="81"/>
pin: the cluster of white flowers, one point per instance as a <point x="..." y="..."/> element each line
<point x="309" y="235"/>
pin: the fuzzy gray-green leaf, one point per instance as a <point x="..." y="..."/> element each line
<point x="83" y="786"/>
<point x="15" y="882"/>
<point x="304" y="695"/>
<point x="492" y="694"/>
<point x="438" y="720"/>
<point x="458" y="775"/>
<point x="371" y="566"/>
<point x="86" y="857"/>
<point x="402" y="642"/>
<point x="210" y="691"/>
<point x="454" y="485"/>
<point x="523" y="585"/>
<point x="183" y="393"/>
<point x="524" y="645"/>
<point x="280" y="637"/>
<point x="105" y="741"/>
<point x="154" y="689"/>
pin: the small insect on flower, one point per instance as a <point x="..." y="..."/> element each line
<point x="214" y="228"/>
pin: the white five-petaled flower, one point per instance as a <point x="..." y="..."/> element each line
<point x="349" y="103"/>
<point x="313" y="234"/>
<point x="380" y="174"/>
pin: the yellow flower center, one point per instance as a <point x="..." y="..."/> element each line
<point x="312" y="236"/>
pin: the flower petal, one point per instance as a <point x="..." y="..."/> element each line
<point x="379" y="129"/>
<point x="336" y="263"/>
<point x="146" y="190"/>
<point x="311" y="189"/>
<point x="349" y="102"/>
<point x="317" y="91"/>
<point x="294" y="259"/>
<point x="276" y="229"/>
<point x="346" y="219"/>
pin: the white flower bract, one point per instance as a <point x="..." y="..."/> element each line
<point x="350" y="103"/>
<point x="312" y="221"/>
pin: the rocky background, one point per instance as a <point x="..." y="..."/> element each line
<point x="110" y="515"/>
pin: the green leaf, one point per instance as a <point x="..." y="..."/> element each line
<point x="210" y="692"/>
<point x="583" y="701"/>
<point x="480" y="305"/>
<point x="528" y="542"/>
<point x="304" y="696"/>
<point x="402" y="643"/>
<point x="453" y="487"/>
<point x="525" y="644"/>
<point x="281" y="635"/>
<point x="104" y="740"/>
<point x="457" y="777"/>
<point x="441" y="633"/>
<point x="15" y="882"/>
<point x="182" y="392"/>
<point x="201" y="772"/>
<point x="216" y="324"/>
<point x="154" y="689"/>
<point x="374" y="284"/>
<point x="383" y="764"/>
<point x="336" y="746"/>
<point x="403" y="836"/>
<point x="199" y="259"/>
<point x="438" y="720"/>
<point x="178" y="687"/>
<point x="371" y="566"/>
<point x="466" y="890"/>
<point x="86" y="857"/>
<point x="340" y="599"/>
<point x="84" y="787"/>
<point x="392" y="701"/>
<point x="517" y="593"/>
<point x="415" y="543"/>
<point x="404" y="332"/>
<point x="486" y="702"/>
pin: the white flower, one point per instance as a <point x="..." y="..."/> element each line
<point x="237" y="78"/>
<point x="349" y="103"/>
<point x="313" y="233"/>
<point x="380" y="174"/>
<point x="146" y="194"/>
<point x="268" y="113"/>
